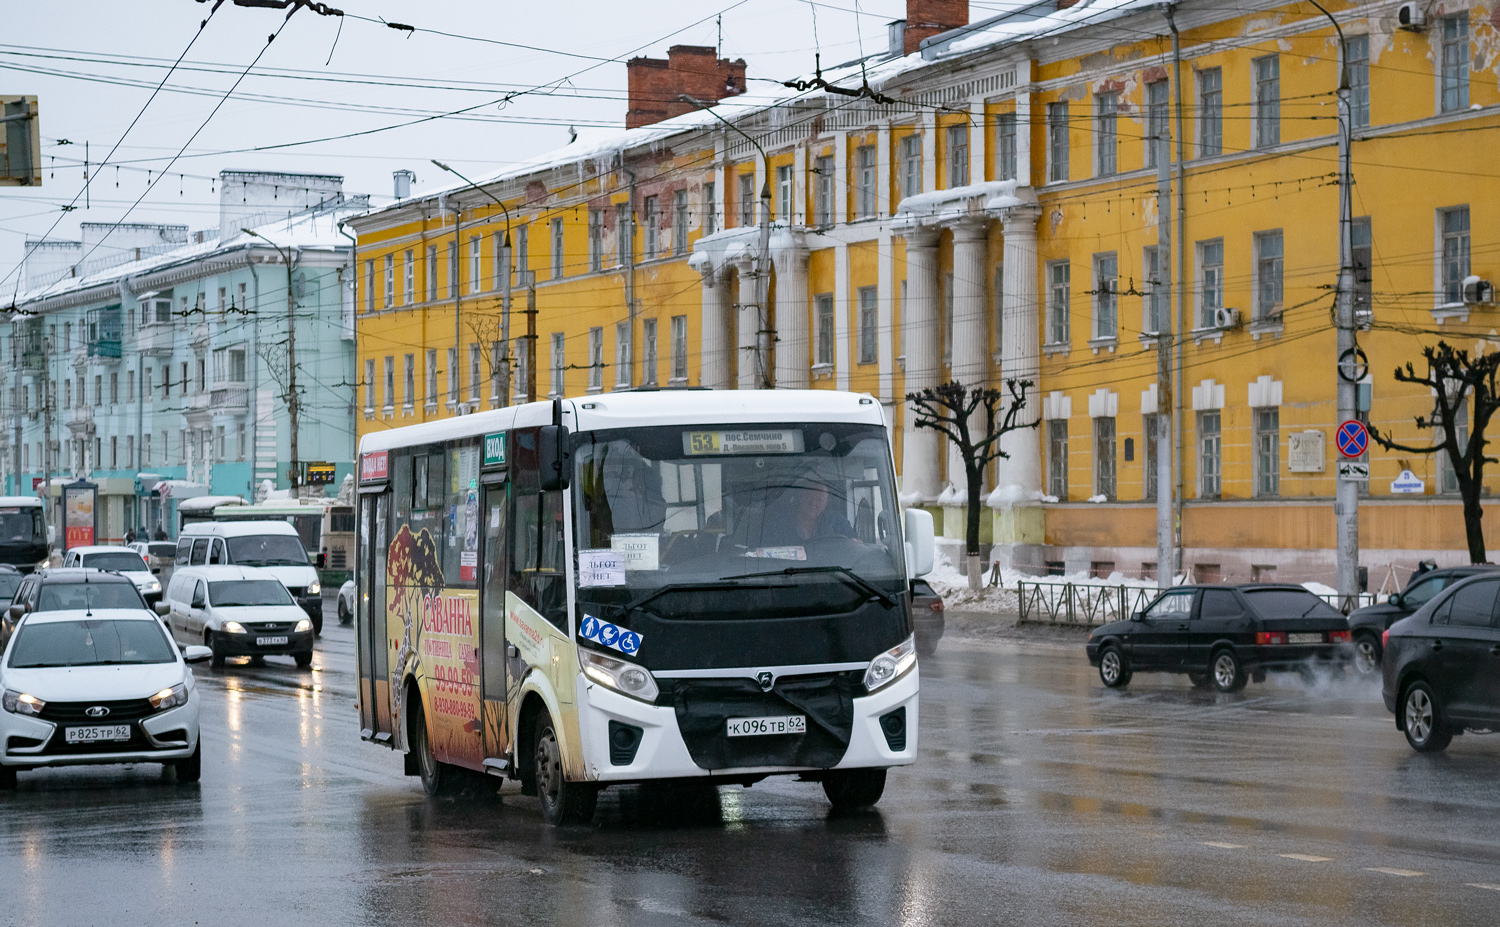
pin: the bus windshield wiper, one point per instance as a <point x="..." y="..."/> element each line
<point x="853" y="578"/>
<point x="656" y="593"/>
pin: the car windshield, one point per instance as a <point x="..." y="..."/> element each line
<point x="1290" y="603"/>
<point x="9" y="583"/>
<point x="20" y="524"/>
<point x="267" y="550"/>
<point x="115" y="560"/>
<point x="90" y="643"/>
<point x="61" y="597"/>
<point x="238" y="592"/>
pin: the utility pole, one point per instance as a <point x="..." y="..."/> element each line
<point x="293" y="404"/>
<point x="1161" y="286"/>
<point x="504" y="359"/>
<point x="531" y="336"/>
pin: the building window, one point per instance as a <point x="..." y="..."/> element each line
<point x="1057" y="142"/>
<point x="1359" y="80"/>
<point x="475" y="273"/>
<point x="1057" y="458"/>
<point x="1208" y="455"/>
<point x="1267" y="112"/>
<point x="1059" y="283"/>
<point x="1210" y="112"/>
<point x="1268" y="275"/>
<point x="1158" y="128"/>
<point x="1005" y="146"/>
<point x="408" y="278"/>
<point x="219" y="445"/>
<point x="559" y="265"/>
<point x="114" y="450"/>
<point x="1104" y="457"/>
<point x="823" y="338"/>
<point x="624" y="235"/>
<point x="1455" y="62"/>
<point x="114" y="387"/>
<point x="130" y="450"/>
<point x="864" y="182"/>
<point x="476" y="373"/>
<point x="369" y="286"/>
<point x="1106" y="136"/>
<point x="522" y="244"/>
<point x="648" y="352"/>
<point x="679" y="222"/>
<point x="409" y="397"/>
<point x="679" y="349"/>
<point x="390" y="281"/>
<point x="523" y="374"/>
<point x="1363" y="268"/>
<point x="1211" y="278"/>
<point x="747" y="199"/>
<point x="1106" y="299"/>
<point x="556" y="376"/>
<point x="1149" y="424"/>
<point x="1267" y="451"/>
<point x="430" y="270"/>
<point x="596" y="359"/>
<point x="1157" y="294"/>
<point x="869" y="322"/>
<point x="911" y="165"/>
<point x="710" y="208"/>
<point x="824" y="169"/>
<point x="784" y="195"/>
<point x="431" y="396"/>
<point x="239" y="441"/>
<point x="596" y="242"/>
<point x="623" y="357"/>
<point x="498" y="270"/>
<point x="1455" y="232"/>
<point x="652" y="221"/>
<point x="390" y="383"/>
<point x="958" y="156"/>
<point x="370" y="385"/>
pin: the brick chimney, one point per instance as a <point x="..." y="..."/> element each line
<point x="927" y="18"/>
<point x="656" y="86"/>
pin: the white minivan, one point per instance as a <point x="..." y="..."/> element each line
<point x="237" y="612"/>
<point x="273" y="546"/>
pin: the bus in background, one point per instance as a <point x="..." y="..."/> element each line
<point x="23" y="533"/>
<point x="325" y="526"/>
<point x="641" y="586"/>
<point x="201" y="509"/>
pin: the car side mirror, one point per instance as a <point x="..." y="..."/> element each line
<point x="17" y="612"/>
<point x="196" y="653"/>
<point x="1395" y="600"/>
<point x="163" y="609"/>
<point x="322" y="561"/>
<point x="156" y="571"/>
<point x="199" y="601"/>
<point x="1137" y="616"/>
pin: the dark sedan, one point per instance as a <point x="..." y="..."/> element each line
<point x="1222" y="635"/>
<point x="1368" y="624"/>
<point x="1441" y="671"/>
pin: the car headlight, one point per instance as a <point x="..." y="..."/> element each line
<point x="152" y="586"/>
<point x="19" y="703"/>
<point x="232" y="627"/>
<point x="891" y="665"/>
<point x="314" y="589"/>
<point x="304" y="625"/>
<point x="625" y="678"/>
<point x="169" y="698"/>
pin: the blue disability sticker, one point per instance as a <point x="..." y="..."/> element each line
<point x="610" y="635"/>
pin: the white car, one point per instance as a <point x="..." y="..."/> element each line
<point x="122" y="560"/>
<point x="84" y="687"/>
<point x="238" y="612"/>
<point x="346" y="602"/>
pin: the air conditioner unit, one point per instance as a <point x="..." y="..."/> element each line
<point x="1411" y="16"/>
<point x="1478" y="290"/>
<point x="1226" y="318"/>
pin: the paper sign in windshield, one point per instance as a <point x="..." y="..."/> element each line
<point x="698" y="443"/>
<point x="601" y="567"/>
<point x="610" y="635"/>
<point x="639" y="550"/>
<point x="779" y="553"/>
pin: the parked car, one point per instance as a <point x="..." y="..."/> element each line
<point x="1367" y="625"/>
<point x="122" y="560"/>
<point x="346" y="603"/>
<point x="1440" y="674"/>
<point x="237" y="612"/>
<point x="271" y="545"/>
<point x="58" y="589"/>
<point x="97" y="685"/>
<point x="926" y="616"/>
<point x="1222" y="635"/>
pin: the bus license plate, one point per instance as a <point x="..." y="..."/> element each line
<point x="97" y="733"/>
<point x="1304" y="638"/>
<point x="270" y="641"/>
<point x="752" y="727"/>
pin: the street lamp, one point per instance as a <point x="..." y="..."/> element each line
<point x="293" y="406"/>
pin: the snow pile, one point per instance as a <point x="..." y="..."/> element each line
<point x="953" y="586"/>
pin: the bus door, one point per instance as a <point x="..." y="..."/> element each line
<point x="493" y="660"/>
<point x="372" y="650"/>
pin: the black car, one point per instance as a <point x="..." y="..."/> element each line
<point x="54" y="590"/>
<point x="1441" y="670"/>
<point x="1222" y="635"/>
<point x="1367" y="625"/>
<point x="926" y="617"/>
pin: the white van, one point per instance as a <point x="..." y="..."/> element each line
<point x="271" y="545"/>
<point x="237" y="612"/>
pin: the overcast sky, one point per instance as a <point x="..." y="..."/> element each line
<point x="94" y="65"/>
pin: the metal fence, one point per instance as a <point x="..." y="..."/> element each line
<point x="1091" y="605"/>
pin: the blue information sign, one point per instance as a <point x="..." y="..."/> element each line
<point x="610" y="635"/>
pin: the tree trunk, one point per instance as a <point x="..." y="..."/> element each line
<point x="971" y="528"/>
<point x="1473" y="522"/>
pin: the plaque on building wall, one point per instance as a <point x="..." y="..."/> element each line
<point x="1304" y="452"/>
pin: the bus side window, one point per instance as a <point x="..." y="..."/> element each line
<point x="537" y="555"/>
<point x="183" y="547"/>
<point x="200" y="551"/>
<point x="216" y="552"/>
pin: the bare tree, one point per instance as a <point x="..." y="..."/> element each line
<point x="486" y="332"/>
<point x="1457" y="378"/>
<point x="958" y="411"/>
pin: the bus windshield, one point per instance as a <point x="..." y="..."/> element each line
<point x="20" y="524"/>
<point x="683" y="506"/>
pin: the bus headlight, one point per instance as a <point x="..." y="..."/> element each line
<point x="625" y="678"/>
<point x="891" y="665"/>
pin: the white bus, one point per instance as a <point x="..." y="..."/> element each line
<point x="642" y="585"/>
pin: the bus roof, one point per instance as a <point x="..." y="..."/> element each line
<point x="206" y="503"/>
<point x="9" y="501"/>
<point x="631" y="409"/>
<point x="266" y="509"/>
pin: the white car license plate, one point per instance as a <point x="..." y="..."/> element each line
<point x="1304" y="638"/>
<point x="97" y="733"/>
<point x="753" y="727"/>
<point x="270" y="641"/>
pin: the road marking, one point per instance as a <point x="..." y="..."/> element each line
<point x="1223" y="846"/>
<point x="1304" y="858"/>
<point x="1493" y="888"/>
<point x="1408" y="873"/>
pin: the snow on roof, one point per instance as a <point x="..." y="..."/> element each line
<point x="1036" y="20"/>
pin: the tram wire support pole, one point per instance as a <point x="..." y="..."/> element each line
<point x="504" y="282"/>
<point x="293" y="403"/>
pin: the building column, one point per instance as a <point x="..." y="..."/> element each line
<point x="713" y="367"/>
<point x="970" y="248"/>
<point x="1018" y="528"/>
<point x="793" y="363"/>
<point x="747" y="319"/>
<point x="919" y="454"/>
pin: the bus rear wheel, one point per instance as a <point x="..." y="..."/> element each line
<point x="563" y="802"/>
<point x="854" y="788"/>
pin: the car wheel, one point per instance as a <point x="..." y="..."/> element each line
<point x="344" y="616"/>
<point x="1366" y="654"/>
<point x="1199" y="680"/>
<point x="304" y="660"/>
<point x="190" y="769"/>
<point x="437" y="778"/>
<point x="1114" y="668"/>
<point x="7" y="779"/>
<point x="1227" y="672"/>
<point x="317" y="621"/>
<point x="563" y="802"/>
<point x="1425" y="730"/>
<point x="854" y="788"/>
<point x="217" y="660"/>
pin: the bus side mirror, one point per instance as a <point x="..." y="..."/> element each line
<point x="920" y="543"/>
<point x="322" y="561"/>
<point x="553" y="459"/>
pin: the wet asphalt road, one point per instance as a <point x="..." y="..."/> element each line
<point x="1041" y="798"/>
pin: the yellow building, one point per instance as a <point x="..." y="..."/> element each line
<point x="989" y="210"/>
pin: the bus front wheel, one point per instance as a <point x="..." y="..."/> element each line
<point x="438" y="778"/>
<point x="563" y="802"/>
<point x="854" y="788"/>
